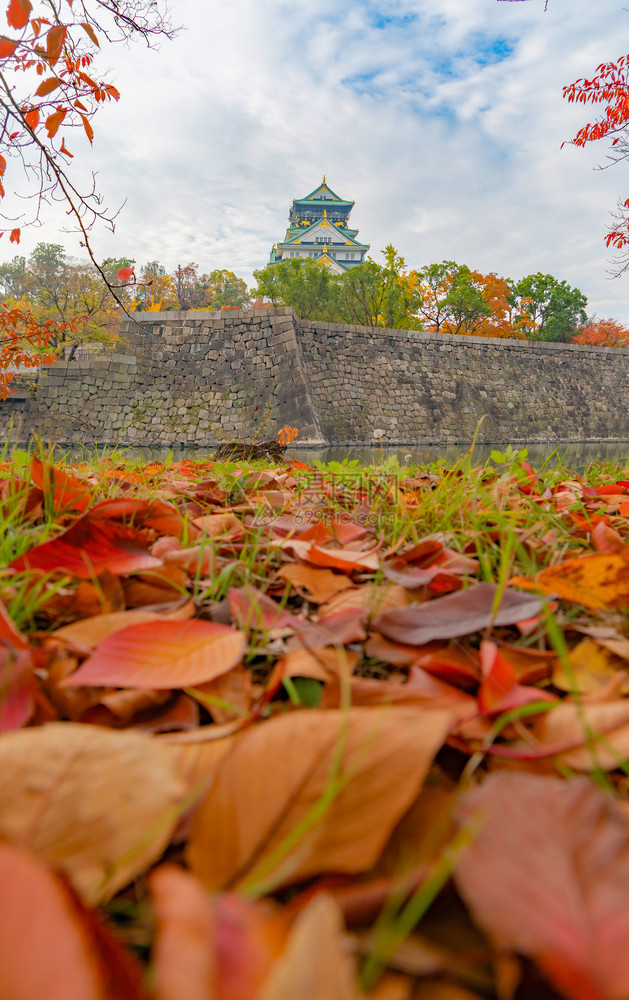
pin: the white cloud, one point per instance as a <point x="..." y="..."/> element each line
<point x="446" y="128"/>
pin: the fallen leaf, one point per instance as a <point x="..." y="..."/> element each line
<point x="61" y="490"/>
<point x="44" y="948"/>
<point x="315" y="964"/>
<point x="599" y="733"/>
<point x="162" y="654"/>
<point x="596" y="581"/>
<point x="547" y="876"/>
<point x="264" y="789"/>
<point x="97" y="804"/>
<point x="221" y="949"/>
<point x="465" y="611"/>
<point x="593" y="665"/>
<point x="316" y="585"/>
<point x="88" y="633"/>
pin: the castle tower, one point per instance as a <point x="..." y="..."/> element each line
<point x="318" y="227"/>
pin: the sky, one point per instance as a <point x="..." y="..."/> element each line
<point x="443" y="121"/>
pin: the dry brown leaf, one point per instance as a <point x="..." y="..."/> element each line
<point x="316" y="964"/>
<point x="547" y="876"/>
<point x="608" y="724"/>
<point x="319" y="663"/>
<point x="316" y="585"/>
<point x="97" y="804"/>
<point x="218" y="524"/>
<point x="277" y="771"/>
<point x="374" y="599"/>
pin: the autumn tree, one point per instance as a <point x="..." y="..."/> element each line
<point x="445" y="298"/>
<point x="608" y="88"/>
<point x="49" y="89"/>
<point x="305" y="284"/>
<point x="191" y="287"/>
<point x="156" y="290"/>
<point x="225" y="290"/>
<point x="58" y="289"/>
<point x="546" y="308"/>
<point x="602" y="333"/>
<point x="500" y="322"/>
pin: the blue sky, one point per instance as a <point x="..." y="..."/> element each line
<point x="444" y="122"/>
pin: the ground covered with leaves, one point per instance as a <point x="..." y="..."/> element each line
<point x="293" y="733"/>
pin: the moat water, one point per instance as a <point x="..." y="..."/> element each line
<point x="575" y="455"/>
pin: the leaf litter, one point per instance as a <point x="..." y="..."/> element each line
<point x="270" y="733"/>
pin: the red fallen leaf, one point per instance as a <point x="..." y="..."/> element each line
<point x="344" y="559"/>
<point x="89" y="547"/>
<point x="126" y="274"/>
<point x="499" y="690"/>
<point x="607" y="539"/>
<point x="18" y="690"/>
<point x="454" y="664"/>
<point x="59" y="487"/>
<point x="222" y="948"/>
<point x="160" y="517"/>
<point x="609" y="489"/>
<point x="563" y="901"/>
<point x="426" y="549"/>
<point x="411" y="579"/>
<point x="623" y="509"/>
<point x="171" y="654"/>
<point x="44" y="949"/>
<point x="254" y="610"/>
<point x="465" y="611"/>
<point x="18" y="13"/>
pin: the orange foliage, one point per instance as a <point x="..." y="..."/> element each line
<point x="287" y="434"/>
<point x="609" y="86"/>
<point x="603" y="333"/>
<point x="496" y="293"/>
<point x="22" y="343"/>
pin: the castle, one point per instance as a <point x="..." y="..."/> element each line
<point x="318" y="227"/>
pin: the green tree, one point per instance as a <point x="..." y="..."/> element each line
<point x="305" y="284"/>
<point x="226" y="289"/>
<point x="548" y="309"/>
<point x="372" y="295"/>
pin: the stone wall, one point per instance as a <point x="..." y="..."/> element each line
<point x="195" y="378"/>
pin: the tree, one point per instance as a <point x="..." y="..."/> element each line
<point x="446" y="299"/>
<point x="373" y="295"/>
<point x="497" y="293"/>
<point x="602" y="333"/>
<point x="156" y="290"/>
<point x="48" y="87"/>
<point x="225" y="290"/>
<point x="609" y="87"/>
<point x="191" y="286"/>
<point x="548" y="309"/>
<point x="305" y="284"/>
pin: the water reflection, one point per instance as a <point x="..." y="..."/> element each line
<point x="576" y="455"/>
